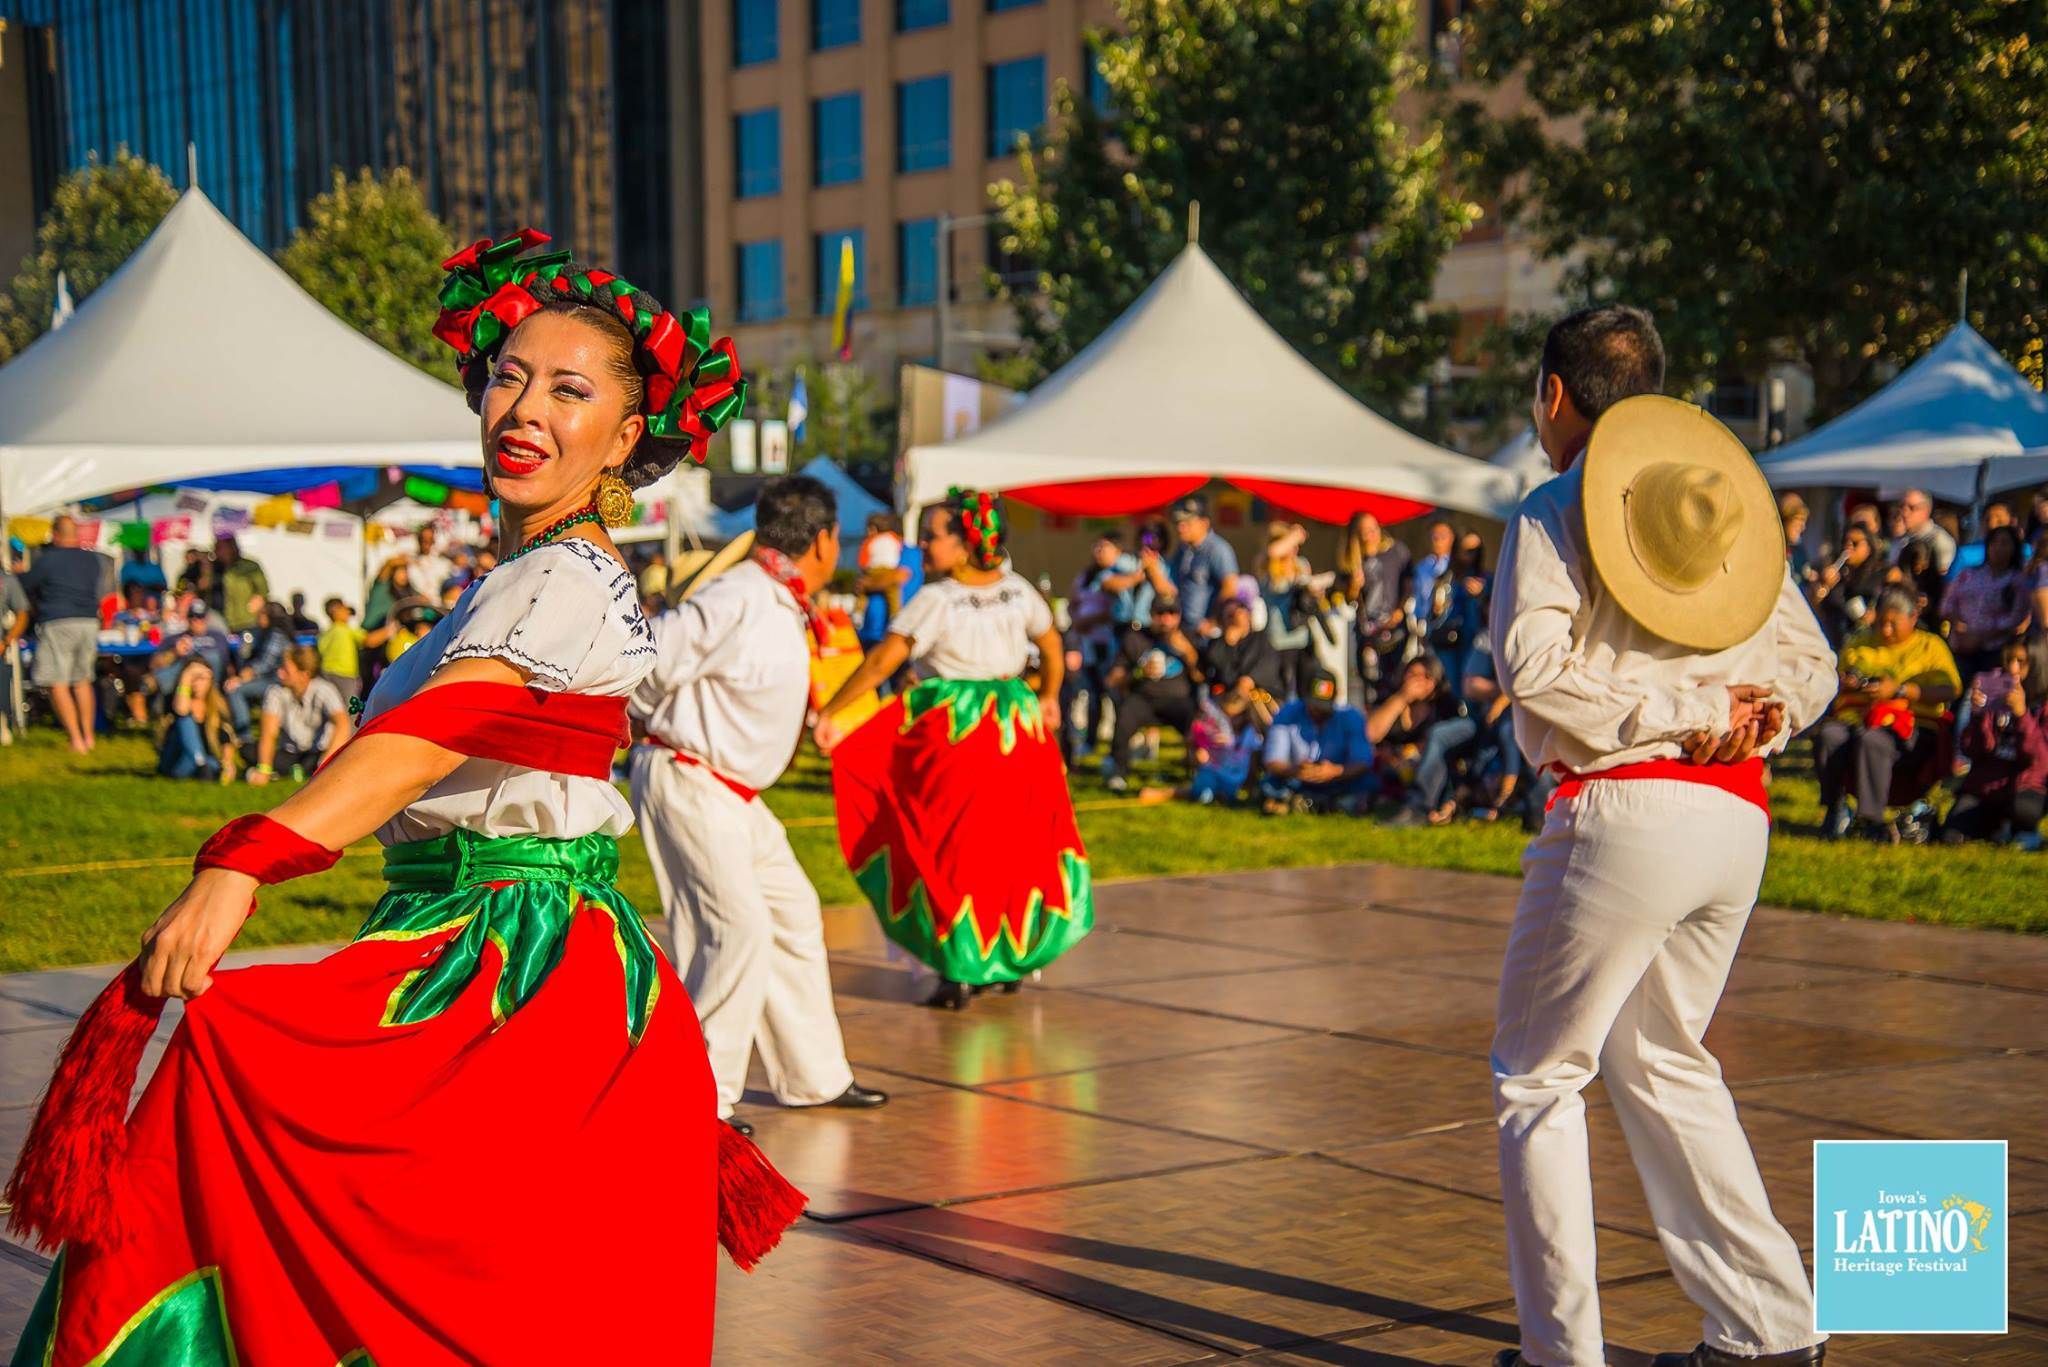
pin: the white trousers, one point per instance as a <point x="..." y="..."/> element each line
<point x="1634" y="897"/>
<point x="746" y="932"/>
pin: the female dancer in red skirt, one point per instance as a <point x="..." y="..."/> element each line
<point x="953" y="807"/>
<point x="426" y="1147"/>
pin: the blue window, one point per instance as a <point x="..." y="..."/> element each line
<point x="917" y="14"/>
<point x="924" y="124"/>
<point x="996" y="6"/>
<point x="917" y="261"/>
<point x="1016" y="103"/>
<point x="828" y="268"/>
<point x="834" y="23"/>
<point x="761" y="281"/>
<point x="754" y="34"/>
<point x="757" y="152"/>
<point x="835" y="139"/>
<point x="1099" y="98"/>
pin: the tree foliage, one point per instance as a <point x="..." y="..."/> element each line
<point x="99" y="215"/>
<point x="371" y="251"/>
<point x="1278" y="116"/>
<point x="1779" y="179"/>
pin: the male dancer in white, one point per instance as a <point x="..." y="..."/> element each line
<point x="1637" y="890"/>
<point x="723" y="711"/>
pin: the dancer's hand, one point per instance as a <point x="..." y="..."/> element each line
<point x="1745" y="702"/>
<point x="179" y="952"/>
<point x="828" y="733"/>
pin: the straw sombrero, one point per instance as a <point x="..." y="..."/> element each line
<point x="690" y="578"/>
<point x="1680" y="524"/>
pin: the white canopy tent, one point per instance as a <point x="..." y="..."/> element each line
<point x="1960" y="422"/>
<point x="1192" y="384"/>
<point x="1524" y="456"/>
<point x="201" y="357"/>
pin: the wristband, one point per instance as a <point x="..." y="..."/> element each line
<point x="266" y="850"/>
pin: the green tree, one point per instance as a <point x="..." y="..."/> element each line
<point x="848" y="420"/>
<point x="371" y="251"/>
<point x="100" y="214"/>
<point x="1277" y="116"/>
<point x="1779" y="179"/>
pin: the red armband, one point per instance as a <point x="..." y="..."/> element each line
<point x="266" y="850"/>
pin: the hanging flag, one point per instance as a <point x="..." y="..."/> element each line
<point x="61" y="314"/>
<point x="799" y="407"/>
<point x="842" y="312"/>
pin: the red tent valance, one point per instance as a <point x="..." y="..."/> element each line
<point x="1145" y="493"/>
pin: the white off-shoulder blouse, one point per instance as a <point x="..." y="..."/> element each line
<point x="567" y="614"/>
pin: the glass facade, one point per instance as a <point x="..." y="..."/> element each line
<point x="835" y="139"/>
<point x="757" y="152"/>
<point x="917" y="14"/>
<point x="924" y="124"/>
<point x="834" y="23"/>
<point x="1016" y="103"/>
<point x="996" y="6"/>
<point x="760" y="272"/>
<point x="917" y="262"/>
<point x="507" y="112"/>
<point x="826" y="252"/>
<point x="1099" y="98"/>
<point x="755" y="34"/>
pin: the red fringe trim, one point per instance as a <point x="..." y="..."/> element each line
<point x="755" y="1202"/>
<point x="65" y="1187"/>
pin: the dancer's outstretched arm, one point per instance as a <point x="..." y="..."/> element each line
<point x="368" y="783"/>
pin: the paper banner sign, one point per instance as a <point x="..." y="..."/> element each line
<point x="133" y="536"/>
<point x="89" y="532"/>
<point x="337" y="531"/>
<point x="468" y="501"/>
<point x="326" y="495"/>
<point x="192" y="503"/>
<point x="228" y="521"/>
<point x="171" y="529"/>
<point x="420" y="489"/>
<point x="275" y="512"/>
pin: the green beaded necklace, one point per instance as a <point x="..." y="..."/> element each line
<point x="555" y="531"/>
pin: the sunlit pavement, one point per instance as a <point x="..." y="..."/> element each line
<point x="1249" y="1119"/>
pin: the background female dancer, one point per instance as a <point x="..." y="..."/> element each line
<point x="416" y="1150"/>
<point x="953" y="807"/>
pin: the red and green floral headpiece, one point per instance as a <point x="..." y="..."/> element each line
<point x="982" y="525"/>
<point x="693" y="385"/>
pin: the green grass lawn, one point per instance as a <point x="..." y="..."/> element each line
<point x="108" y="811"/>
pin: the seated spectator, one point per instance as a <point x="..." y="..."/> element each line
<point x="1481" y="734"/>
<point x="1847" y="590"/>
<point x="2037" y="581"/>
<point x="1155" y="682"/>
<point x="197" y="739"/>
<point x="1897" y="682"/>
<point x="1221" y="749"/>
<point x="1988" y="604"/>
<point x="1792" y="511"/>
<point x="1449" y="620"/>
<point x="2006" y="743"/>
<point x="249" y="685"/>
<point x="1399" y="723"/>
<point x="1317" y="757"/>
<point x="304" y="719"/>
<point x="1239" y="664"/>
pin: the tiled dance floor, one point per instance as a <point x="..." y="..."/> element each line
<point x="1249" y="1120"/>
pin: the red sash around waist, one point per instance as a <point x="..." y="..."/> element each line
<point x="562" y="733"/>
<point x="682" y="756"/>
<point x="1744" y="778"/>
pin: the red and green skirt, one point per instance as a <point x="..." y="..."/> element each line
<point x="485" y="1131"/>
<point x="955" y="819"/>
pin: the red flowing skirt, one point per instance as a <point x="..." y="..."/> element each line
<point x="955" y="819"/>
<point x="314" y="1186"/>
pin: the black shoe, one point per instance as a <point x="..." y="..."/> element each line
<point x="857" y="1098"/>
<point x="742" y="1126"/>
<point x="1704" y="1356"/>
<point x="950" y="997"/>
<point x="1509" y="1357"/>
<point x="1009" y="989"/>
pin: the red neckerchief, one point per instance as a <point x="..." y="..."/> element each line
<point x="783" y="571"/>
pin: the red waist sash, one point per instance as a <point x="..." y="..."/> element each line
<point x="682" y="756"/>
<point x="1744" y="778"/>
<point x="563" y="733"/>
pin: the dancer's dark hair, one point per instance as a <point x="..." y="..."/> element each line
<point x="791" y="511"/>
<point x="1604" y="355"/>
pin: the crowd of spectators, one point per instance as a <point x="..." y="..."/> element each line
<point x="1365" y="687"/>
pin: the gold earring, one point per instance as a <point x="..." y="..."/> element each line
<point x="614" y="500"/>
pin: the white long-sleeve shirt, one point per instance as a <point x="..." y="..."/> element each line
<point x="731" y="682"/>
<point x="1591" y="688"/>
